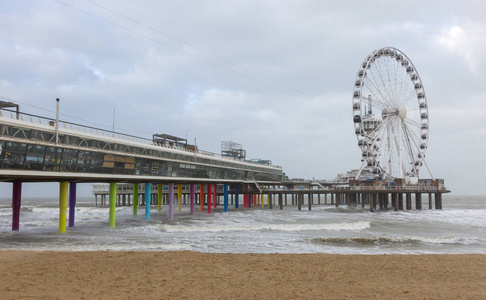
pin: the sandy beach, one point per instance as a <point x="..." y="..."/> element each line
<point x="192" y="275"/>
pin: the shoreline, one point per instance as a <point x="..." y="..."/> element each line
<point x="195" y="275"/>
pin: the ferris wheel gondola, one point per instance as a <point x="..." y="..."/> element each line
<point x="390" y="115"/>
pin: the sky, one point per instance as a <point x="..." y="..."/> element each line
<point x="274" y="76"/>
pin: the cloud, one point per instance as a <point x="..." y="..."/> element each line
<point x="466" y="41"/>
<point x="276" y="77"/>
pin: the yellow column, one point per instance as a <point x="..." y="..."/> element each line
<point x="179" y="197"/>
<point x="63" y="205"/>
<point x="160" y="189"/>
<point x="263" y="199"/>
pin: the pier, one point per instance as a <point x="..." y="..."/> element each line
<point x="167" y="170"/>
<point x="276" y="197"/>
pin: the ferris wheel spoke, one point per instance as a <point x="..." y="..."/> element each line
<point x="386" y="100"/>
<point x="412" y="123"/>
<point x="386" y="91"/>
<point x="408" y="96"/>
<point x="410" y="152"/>
<point x="415" y="139"/>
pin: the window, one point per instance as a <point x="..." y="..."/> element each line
<point x="14" y="156"/>
<point x="83" y="162"/>
<point x="35" y="157"/>
<point x="69" y="158"/>
<point x="52" y="159"/>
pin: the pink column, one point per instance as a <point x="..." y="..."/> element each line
<point x="16" y="197"/>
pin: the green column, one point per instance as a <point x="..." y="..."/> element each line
<point x="160" y="189"/>
<point x="112" y="203"/>
<point x="135" y="199"/>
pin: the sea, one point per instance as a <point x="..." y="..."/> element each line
<point x="460" y="227"/>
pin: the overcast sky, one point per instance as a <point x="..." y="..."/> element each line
<point x="275" y="76"/>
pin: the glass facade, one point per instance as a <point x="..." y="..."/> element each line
<point x="78" y="154"/>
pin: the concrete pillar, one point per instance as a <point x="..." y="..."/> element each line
<point x="192" y="191"/>
<point x="225" y="197"/>
<point x="16" y="200"/>
<point x="418" y="200"/>
<point x="237" y="195"/>
<point x="63" y="205"/>
<point x="201" y="197"/>
<point x="209" y="192"/>
<point x="72" y="203"/>
<point x="179" y="198"/>
<point x="171" y="201"/>
<point x="408" y="201"/>
<point x="160" y="191"/>
<point x="438" y="200"/>
<point x="148" y="194"/>
<point x="112" y="203"/>
<point x="135" y="199"/>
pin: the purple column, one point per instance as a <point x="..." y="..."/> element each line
<point x="171" y="201"/>
<point x="16" y="196"/>
<point x="72" y="203"/>
<point x="192" y="198"/>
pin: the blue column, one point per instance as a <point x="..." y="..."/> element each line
<point x="171" y="201"/>
<point x="237" y="195"/>
<point x="148" y="197"/>
<point x="72" y="203"/>
<point x="225" y="197"/>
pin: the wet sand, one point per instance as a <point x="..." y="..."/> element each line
<point x="191" y="275"/>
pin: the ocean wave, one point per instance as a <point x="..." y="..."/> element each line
<point x="76" y="248"/>
<point x="266" y="227"/>
<point x="387" y="240"/>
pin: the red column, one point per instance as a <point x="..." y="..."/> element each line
<point x="209" y="198"/>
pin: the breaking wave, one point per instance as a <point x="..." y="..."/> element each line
<point x="266" y="227"/>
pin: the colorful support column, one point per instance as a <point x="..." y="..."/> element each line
<point x="262" y="199"/>
<point x="72" y="203"/>
<point x="201" y="197"/>
<point x="209" y="198"/>
<point x="112" y="203"/>
<point x="160" y="191"/>
<point x="135" y="199"/>
<point x="179" y="197"/>
<point x="237" y="195"/>
<point x="63" y="205"/>
<point x="171" y="201"/>
<point x="193" y="192"/>
<point x="255" y="200"/>
<point x="16" y="199"/>
<point x="148" y="197"/>
<point x="225" y="197"/>
<point x="215" y="197"/>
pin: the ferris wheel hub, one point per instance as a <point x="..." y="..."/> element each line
<point x="402" y="112"/>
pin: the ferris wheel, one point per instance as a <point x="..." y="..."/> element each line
<point x="391" y="117"/>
